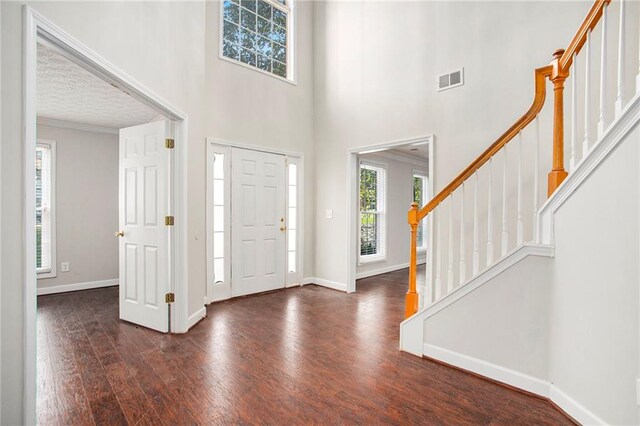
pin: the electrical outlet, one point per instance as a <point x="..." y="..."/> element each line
<point x="329" y="214"/>
<point x="64" y="266"/>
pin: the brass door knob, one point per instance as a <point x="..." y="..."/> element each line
<point x="283" y="228"/>
<point x="120" y="234"/>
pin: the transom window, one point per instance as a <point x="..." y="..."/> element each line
<point x="372" y="212"/>
<point x="420" y="197"/>
<point x="256" y="33"/>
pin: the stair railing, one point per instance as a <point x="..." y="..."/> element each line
<point x="443" y="279"/>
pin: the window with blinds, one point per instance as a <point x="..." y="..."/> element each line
<point x="372" y="212"/>
<point x="420" y="197"/>
<point x="44" y="207"/>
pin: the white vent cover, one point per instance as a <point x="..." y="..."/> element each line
<point x="451" y="80"/>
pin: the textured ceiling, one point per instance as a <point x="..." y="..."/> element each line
<point x="69" y="93"/>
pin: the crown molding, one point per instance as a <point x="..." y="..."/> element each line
<point x="77" y="126"/>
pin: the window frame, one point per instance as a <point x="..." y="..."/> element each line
<point x="427" y="197"/>
<point x="290" y="9"/>
<point x="51" y="272"/>
<point x="382" y="224"/>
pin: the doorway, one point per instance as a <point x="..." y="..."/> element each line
<point x="38" y="32"/>
<point x="383" y="182"/>
<point x="254" y="226"/>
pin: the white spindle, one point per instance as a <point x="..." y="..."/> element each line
<point x="476" y="250"/>
<point x="450" y="268"/>
<point x="462" y="238"/>
<point x="536" y="178"/>
<point x="505" y="233"/>
<point x="574" y="116"/>
<point x="520" y="219"/>
<point x="587" y="94"/>
<point x="621" y="44"/>
<point x="490" y="218"/>
<point x="430" y="272"/>
<point x="603" y="74"/>
<point x="438" y="285"/>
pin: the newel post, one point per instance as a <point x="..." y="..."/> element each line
<point x="411" y="303"/>
<point x="558" y="77"/>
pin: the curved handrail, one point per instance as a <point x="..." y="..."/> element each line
<point x="580" y="38"/>
<point x="541" y="74"/>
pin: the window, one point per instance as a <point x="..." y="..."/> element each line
<point x="257" y="33"/>
<point x="372" y="212"/>
<point x="292" y="186"/>
<point x="420" y="196"/>
<point x="218" y="219"/>
<point x="45" y="213"/>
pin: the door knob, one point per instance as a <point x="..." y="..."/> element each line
<point x="283" y="228"/>
<point x="120" y="234"/>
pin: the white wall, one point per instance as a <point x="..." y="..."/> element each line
<point x="375" y="82"/>
<point x="594" y="330"/>
<point x="86" y="205"/>
<point x="399" y="198"/>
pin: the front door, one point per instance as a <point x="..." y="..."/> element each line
<point x="257" y="221"/>
<point x="144" y="238"/>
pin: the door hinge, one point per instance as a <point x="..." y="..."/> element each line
<point x="169" y="143"/>
<point x="168" y="220"/>
<point x="169" y="298"/>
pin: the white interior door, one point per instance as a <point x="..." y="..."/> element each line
<point x="257" y="221"/>
<point x="144" y="242"/>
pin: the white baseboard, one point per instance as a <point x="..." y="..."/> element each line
<point x="196" y="317"/>
<point x="517" y="379"/>
<point x="325" y="283"/>
<point x="386" y="269"/>
<point x="488" y="369"/>
<point x="64" y="288"/>
<point x="573" y="408"/>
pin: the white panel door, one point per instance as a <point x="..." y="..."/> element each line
<point x="257" y="221"/>
<point x="144" y="246"/>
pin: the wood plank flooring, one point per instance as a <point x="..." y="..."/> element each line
<point x="305" y="355"/>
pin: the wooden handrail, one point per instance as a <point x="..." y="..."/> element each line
<point x="588" y="24"/>
<point x="541" y="74"/>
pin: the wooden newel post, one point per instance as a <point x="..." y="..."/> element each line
<point x="558" y="77"/>
<point x="411" y="304"/>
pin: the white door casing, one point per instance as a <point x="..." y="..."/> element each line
<point x="258" y="217"/>
<point x="144" y="203"/>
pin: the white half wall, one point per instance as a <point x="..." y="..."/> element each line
<point x="86" y="204"/>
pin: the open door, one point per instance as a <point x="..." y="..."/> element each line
<point x="144" y="237"/>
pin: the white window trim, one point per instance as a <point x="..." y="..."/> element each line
<point x="43" y="273"/>
<point x="425" y="190"/>
<point x="291" y="53"/>
<point x="378" y="257"/>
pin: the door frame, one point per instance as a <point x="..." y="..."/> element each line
<point x="211" y="143"/>
<point x="353" y="162"/>
<point x="36" y="27"/>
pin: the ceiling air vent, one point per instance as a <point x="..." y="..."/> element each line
<point x="451" y="80"/>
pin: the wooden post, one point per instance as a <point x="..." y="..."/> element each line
<point x="411" y="304"/>
<point x="558" y="76"/>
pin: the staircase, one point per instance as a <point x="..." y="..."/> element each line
<point x="494" y="272"/>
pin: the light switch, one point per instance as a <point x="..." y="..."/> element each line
<point x="64" y="266"/>
<point x="329" y="214"/>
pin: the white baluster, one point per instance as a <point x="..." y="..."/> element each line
<point x="430" y="271"/>
<point x="450" y="268"/>
<point x="476" y="242"/>
<point x="536" y="178"/>
<point x="520" y="219"/>
<point x="463" y="268"/>
<point x="490" y="218"/>
<point x="603" y="74"/>
<point x="505" y="233"/>
<point x="587" y="94"/>
<point x="574" y="116"/>
<point x="438" y="286"/>
<point x="621" y="44"/>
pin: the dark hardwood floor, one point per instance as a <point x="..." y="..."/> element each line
<point x="306" y="355"/>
